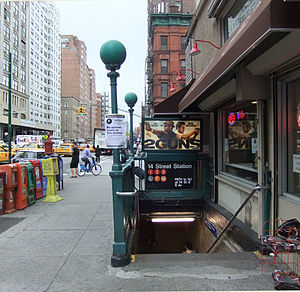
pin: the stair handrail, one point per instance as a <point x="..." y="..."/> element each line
<point x="257" y="188"/>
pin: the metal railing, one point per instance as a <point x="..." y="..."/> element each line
<point x="257" y="188"/>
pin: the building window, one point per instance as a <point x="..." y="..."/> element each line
<point x="66" y="104"/>
<point x="6" y="15"/>
<point x="6" y="31"/>
<point x="5" y="64"/>
<point x="5" y="80"/>
<point x="16" y="24"/>
<point x="15" y="54"/>
<point x="164" y="43"/>
<point x="15" y="40"/>
<point x="182" y="66"/>
<point x="164" y="89"/>
<point x="239" y="11"/>
<point x="179" y="5"/>
<point x="16" y="8"/>
<point x="239" y="141"/>
<point x="14" y="84"/>
<point x="6" y="48"/>
<point x="164" y="66"/>
<point x="15" y="70"/>
<point x="182" y="43"/>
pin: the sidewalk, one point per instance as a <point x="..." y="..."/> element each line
<point x="66" y="246"/>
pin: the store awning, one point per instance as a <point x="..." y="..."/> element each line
<point x="170" y="105"/>
<point x="268" y="17"/>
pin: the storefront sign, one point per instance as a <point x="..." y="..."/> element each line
<point x="296" y="163"/>
<point x="115" y="131"/>
<point x="172" y="135"/>
<point x="170" y="175"/>
<point x="233" y="116"/>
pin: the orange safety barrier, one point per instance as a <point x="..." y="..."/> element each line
<point x="22" y="190"/>
<point x="38" y="178"/>
<point x="10" y="187"/>
<point x="2" y="181"/>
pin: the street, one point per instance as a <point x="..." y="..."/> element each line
<point x="105" y="161"/>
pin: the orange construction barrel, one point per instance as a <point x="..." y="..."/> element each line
<point x="10" y="187"/>
<point x="2" y="181"/>
<point x="22" y="190"/>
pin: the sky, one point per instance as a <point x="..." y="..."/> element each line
<point x="98" y="21"/>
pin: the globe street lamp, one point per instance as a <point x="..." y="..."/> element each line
<point x="113" y="54"/>
<point x="131" y="99"/>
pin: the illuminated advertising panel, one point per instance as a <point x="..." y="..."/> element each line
<point x="172" y="135"/>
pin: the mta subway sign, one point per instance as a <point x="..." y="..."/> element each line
<point x="166" y="134"/>
<point x="170" y="175"/>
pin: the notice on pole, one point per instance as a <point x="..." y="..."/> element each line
<point x="115" y="131"/>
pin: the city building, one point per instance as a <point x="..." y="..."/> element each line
<point x="29" y="32"/>
<point x="168" y="23"/>
<point x="78" y="80"/>
<point x="70" y="120"/>
<point x="247" y="96"/>
<point x="44" y="67"/>
<point x="102" y="108"/>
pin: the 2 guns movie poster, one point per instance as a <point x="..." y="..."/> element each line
<point x="172" y="135"/>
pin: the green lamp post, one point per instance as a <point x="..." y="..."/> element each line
<point x="131" y="99"/>
<point x="113" y="54"/>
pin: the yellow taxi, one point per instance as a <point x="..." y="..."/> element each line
<point x="3" y="154"/>
<point x="81" y="146"/>
<point x="65" y="149"/>
<point x="4" y="148"/>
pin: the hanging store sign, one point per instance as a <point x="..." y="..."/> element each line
<point x="115" y="131"/>
<point x="170" y="175"/>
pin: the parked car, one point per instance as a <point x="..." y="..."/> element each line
<point x="65" y="149"/>
<point x="26" y="155"/>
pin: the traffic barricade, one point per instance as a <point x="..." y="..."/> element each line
<point x="50" y="170"/>
<point x="22" y="189"/>
<point x="30" y="183"/>
<point x="10" y="187"/>
<point x="37" y="170"/>
<point x="44" y="179"/>
<point x="2" y="181"/>
<point x="59" y="176"/>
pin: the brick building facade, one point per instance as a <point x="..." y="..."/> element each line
<point x="78" y="80"/>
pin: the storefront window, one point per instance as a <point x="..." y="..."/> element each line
<point x="240" y="142"/>
<point x="293" y="137"/>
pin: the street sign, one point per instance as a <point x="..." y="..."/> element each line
<point x="115" y="131"/>
<point x="170" y="175"/>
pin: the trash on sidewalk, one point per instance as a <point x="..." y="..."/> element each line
<point x="286" y="281"/>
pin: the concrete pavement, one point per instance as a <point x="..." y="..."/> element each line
<point x="66" y="246"/>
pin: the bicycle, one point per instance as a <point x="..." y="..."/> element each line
<point x="95" y="168"/>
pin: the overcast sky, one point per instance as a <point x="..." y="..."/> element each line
<point x="98" y="21"/>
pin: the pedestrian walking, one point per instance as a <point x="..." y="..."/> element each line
<point x="97" y="153"/>
<point x="75" y="160"/>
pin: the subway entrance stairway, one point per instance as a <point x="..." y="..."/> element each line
<point x="67" y="246"/>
